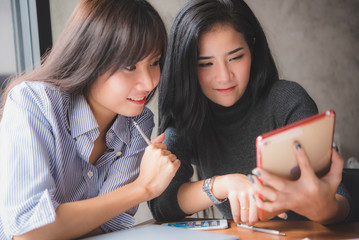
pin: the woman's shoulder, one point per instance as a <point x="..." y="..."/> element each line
<point x="38" y="85"/>
<point x="171" y="131"/>
<point x="173" y="138"/>
<point x="177" y="144"/>
<point x="289" y="102"/>
<point x="38" y="96"/>
<point x="284" y="91"/>
<point x="36" y="89"/>
<point x="283" y="87"/>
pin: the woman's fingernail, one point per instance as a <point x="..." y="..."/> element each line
<point x="298" y="146"/>
<point x="253" y="197"/>
<point x="256" y="172"/>
<point x="250" y="178"/>
<point x="335" y="147"/>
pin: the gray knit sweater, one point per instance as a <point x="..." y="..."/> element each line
<point x="227" y="143"/>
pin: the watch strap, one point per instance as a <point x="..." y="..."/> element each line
<point x="207" y="188"/>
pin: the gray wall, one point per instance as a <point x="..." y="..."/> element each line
<point x="314" y="42"/>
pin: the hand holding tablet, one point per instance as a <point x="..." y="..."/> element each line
<point x="275" y="152"/>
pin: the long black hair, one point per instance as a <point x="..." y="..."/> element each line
<point x="181" y="101"/>
<point x="101" y="36"/>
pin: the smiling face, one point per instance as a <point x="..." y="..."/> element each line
<point x="125" y="91"/>
<point x="224" y="64"/>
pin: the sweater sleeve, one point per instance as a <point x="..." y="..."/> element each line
<point x="165" y="207"/>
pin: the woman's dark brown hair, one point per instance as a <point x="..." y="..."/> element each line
<point x="101" y="36"/>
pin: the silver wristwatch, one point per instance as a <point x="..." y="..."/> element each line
<point x="207" y="188"/>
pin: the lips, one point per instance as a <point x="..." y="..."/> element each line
<point x="137" y="100"/>
<point x="225" y="90"/>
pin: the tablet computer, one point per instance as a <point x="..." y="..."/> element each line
<point x="275" y="152"/>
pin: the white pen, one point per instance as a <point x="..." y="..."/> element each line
<point x="265" y="230"/>
<point x="141" y="132"/>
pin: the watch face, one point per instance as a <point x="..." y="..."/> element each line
<point x="206" y="184"/>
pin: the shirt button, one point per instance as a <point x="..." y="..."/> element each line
<point x="90" y="174"/>
<point x="83" y="150"/>
<point x="110" y="135"/>
<point x="118" y="154"/>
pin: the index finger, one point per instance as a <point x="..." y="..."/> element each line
<point x="235" y="206"/>
<point x="158" y="146"/>
<point x="270" y="179"/>
<point x="306" y="168"/>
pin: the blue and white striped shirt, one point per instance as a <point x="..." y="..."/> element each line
<point x="46" y="138"/>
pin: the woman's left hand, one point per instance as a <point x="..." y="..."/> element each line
<point x="310" y="196"/>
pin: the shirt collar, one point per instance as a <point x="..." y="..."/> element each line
<point x="81" y="118"/>
<point x="121" y="127"/>
<point x="124" y="129"/>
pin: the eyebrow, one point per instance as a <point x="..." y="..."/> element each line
<point x="229" y="53"/>
<point x="234" y="51"/>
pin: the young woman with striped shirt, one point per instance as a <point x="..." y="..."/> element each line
<point x="73" y="163"/>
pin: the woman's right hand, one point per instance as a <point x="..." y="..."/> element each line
<point x="309" y="196"/>
<point x="158" y="167"/>
<point x="239" y="191"/>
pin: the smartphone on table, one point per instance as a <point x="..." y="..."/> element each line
<point x="276" y="155"/>
<point x="200" y="224"/>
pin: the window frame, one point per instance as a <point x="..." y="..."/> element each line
<point x="31" y="37"/>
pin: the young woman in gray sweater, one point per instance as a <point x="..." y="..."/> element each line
<point x="219" y="90"/>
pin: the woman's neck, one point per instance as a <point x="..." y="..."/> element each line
<point x="104" y="117"/>
<point x="226" y="115"/>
